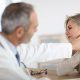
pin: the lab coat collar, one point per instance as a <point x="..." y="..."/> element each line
<point x="5" y="45"/>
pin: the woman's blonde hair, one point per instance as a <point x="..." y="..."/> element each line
<point x="74" y="18"/>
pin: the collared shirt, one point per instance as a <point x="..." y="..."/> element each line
<point x="12" y="47"/>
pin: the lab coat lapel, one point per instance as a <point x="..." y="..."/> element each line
<point x="9" y="52"/>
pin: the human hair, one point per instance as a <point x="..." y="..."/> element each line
<point x="75" y="18"/>
<point x="16" y="15"/>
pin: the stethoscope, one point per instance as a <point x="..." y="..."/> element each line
<point x="27" y="70"/>
<point x="5" y="46"/>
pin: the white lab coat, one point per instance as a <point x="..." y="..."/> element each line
<point x="9" y="69"/>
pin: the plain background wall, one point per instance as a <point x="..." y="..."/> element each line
<point x="52" y="14"/>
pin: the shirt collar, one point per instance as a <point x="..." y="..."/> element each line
<point x="12" y="47"/>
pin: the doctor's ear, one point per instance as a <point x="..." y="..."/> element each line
<point x="19" y="32"/>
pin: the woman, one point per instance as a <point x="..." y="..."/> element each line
<point x="66" y="66"/>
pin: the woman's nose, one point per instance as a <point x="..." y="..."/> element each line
<point x="66" y="32"/>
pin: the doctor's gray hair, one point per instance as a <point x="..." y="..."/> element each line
<point x="75" y="18"/>
<point x="16" y="15"/>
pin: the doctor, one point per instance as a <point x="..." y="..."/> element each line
<point x="19" y="22"/>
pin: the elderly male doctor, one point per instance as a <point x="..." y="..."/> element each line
<point x="19" y="22"/>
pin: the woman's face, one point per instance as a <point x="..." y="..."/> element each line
<point x="72" y="30"/>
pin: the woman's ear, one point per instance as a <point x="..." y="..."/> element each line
<point x="19" y="32"/>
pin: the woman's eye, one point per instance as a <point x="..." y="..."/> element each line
<point x="69" y="28"/>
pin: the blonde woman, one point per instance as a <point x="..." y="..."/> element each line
<point x="66" y="66"/>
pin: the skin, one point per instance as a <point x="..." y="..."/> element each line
<point x="73" y="34"/>
<point x="20" y="35"/>
<point x="32" y="29"/>
<point x="72" y="30"/>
